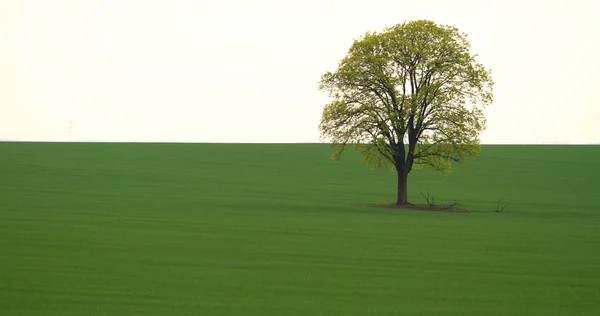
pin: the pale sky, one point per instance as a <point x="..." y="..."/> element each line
<point x="248" y="71"/>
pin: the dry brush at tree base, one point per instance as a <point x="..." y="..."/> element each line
<point x="441" y="208"/>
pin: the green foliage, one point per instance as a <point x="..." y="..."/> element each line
<point x="411" y="95"/>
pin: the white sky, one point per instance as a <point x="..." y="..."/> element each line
<point x="248" y="71"/>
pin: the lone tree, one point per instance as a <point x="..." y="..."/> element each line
<point x="409" y="97"/>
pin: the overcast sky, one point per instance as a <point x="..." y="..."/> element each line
<point x="248" y="71"/>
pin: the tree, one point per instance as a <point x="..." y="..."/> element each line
<point x="409" y="97"/>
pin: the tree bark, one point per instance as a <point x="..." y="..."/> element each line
<point x="402" y="188"/>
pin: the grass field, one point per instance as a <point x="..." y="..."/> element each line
<point x="216" y="229"/>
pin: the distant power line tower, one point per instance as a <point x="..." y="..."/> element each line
<point x="71" y="130"/>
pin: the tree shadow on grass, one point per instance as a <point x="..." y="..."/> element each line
<point x="427" y="208"/>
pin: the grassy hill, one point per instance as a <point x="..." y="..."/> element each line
<point x="247" y="229"/>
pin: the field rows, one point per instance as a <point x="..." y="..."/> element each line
<point x="215" y="229"/>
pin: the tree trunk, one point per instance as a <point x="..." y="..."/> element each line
<point x="402" y="188"/>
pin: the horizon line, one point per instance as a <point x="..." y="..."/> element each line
<point x="241" y="143"/>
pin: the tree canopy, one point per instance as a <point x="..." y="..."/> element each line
<point x="411" y="96"/>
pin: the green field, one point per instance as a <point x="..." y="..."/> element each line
<point x="240" y="229"/>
